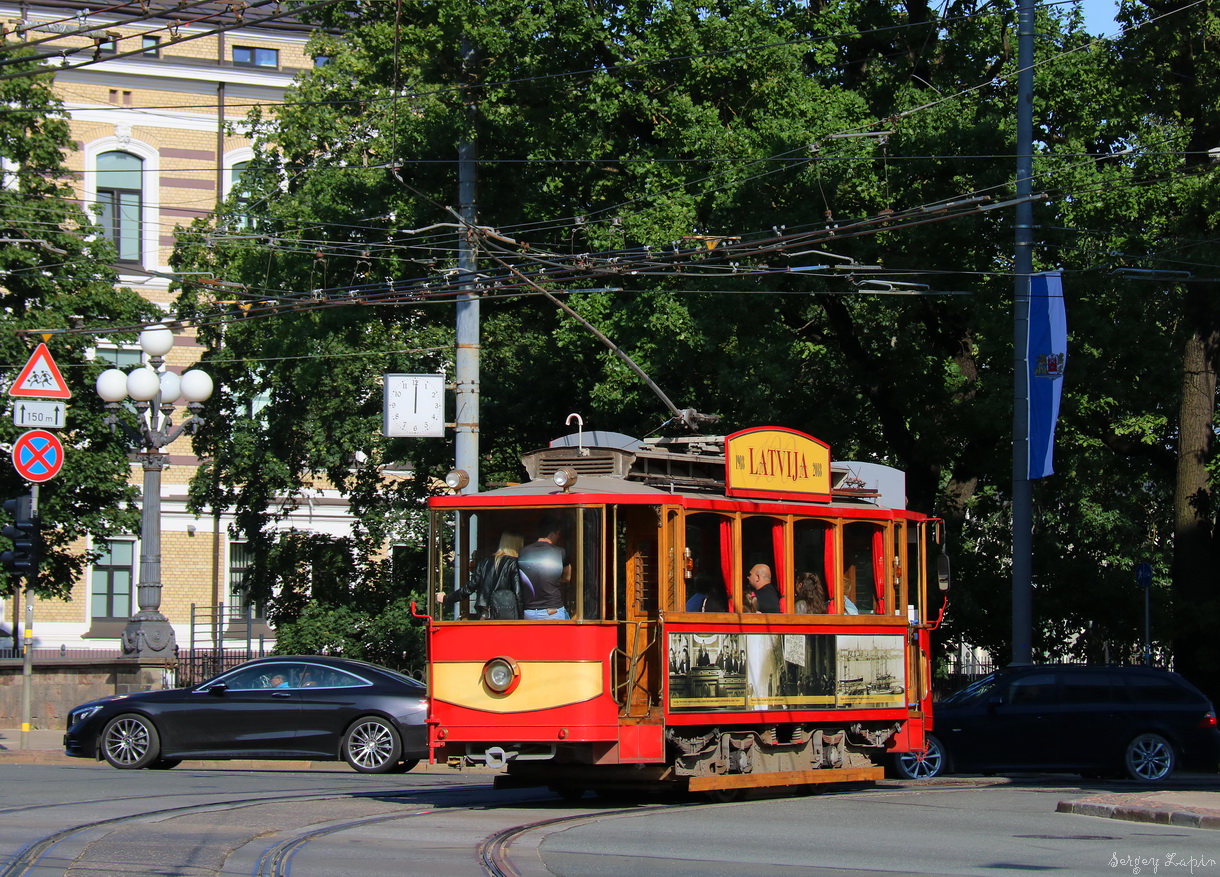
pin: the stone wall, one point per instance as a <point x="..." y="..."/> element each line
<point x="58" y="685"/>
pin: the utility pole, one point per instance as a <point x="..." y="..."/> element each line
<point x="466" y="359"/>
<point x="1022" y="491"/>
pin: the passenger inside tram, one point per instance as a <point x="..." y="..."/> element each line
<point x="706" y="595"/>
<point x="545" y="573"/>
<point x="809" y="595"/>
<point x="763" y="589"/>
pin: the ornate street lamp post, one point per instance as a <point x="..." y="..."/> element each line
<point x="154" y="393"/>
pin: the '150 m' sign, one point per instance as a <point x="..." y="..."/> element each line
<point x="770" y="461"/>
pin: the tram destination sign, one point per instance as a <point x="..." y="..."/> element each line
<point x="774" y="462"/>
<point x="40" y="413"/>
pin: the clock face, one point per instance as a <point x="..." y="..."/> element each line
<point x="414" y="405"/>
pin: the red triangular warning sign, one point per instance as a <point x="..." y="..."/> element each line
<point x="41" y="378"/>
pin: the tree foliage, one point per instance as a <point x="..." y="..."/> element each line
<point x="613" y="136"/>
<point x="55" y="276"/>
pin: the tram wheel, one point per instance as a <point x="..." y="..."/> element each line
<point x="569" y="793"/>
<point x="723" y="796"/>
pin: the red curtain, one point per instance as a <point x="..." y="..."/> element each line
<point x="777" y="552"/>
<point x="726" y="559"/>
<point x="879" y="571"/>
<point x="829" y="577"/>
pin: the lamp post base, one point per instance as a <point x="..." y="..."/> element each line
<point x="149" y="639"/>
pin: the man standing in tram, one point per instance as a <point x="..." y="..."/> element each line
<point x="545" y="570"/>
<point x="764" y="590"/>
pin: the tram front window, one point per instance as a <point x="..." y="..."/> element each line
<point x="490" y="554"/>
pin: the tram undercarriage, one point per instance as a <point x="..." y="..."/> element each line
<point x="712" y="760"/>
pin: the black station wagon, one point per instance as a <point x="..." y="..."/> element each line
<point x="1137" y="722"/>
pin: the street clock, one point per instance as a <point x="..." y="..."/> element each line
<point x="414" y="406"/>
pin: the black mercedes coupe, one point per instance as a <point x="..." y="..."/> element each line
<point x="316" y="708"/>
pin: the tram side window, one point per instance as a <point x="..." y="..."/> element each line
<point x="709" y="585"/>
<point x="762" y="542"/>
<point x="917" y="578"/>
<point x="813" y="556"/>
<point x="488" y="534"/>
<point x="864" y="573"/>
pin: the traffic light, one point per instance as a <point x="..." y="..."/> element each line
<point x="24" y="532"/>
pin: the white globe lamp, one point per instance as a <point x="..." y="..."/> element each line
<point x="112" y="385"/>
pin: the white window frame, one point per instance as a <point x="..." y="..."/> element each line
<point x="150" y="191"/>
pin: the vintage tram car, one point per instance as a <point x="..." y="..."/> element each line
<point x="656" y="673"/>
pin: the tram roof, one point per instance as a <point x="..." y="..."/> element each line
<point x="611" y="465"/>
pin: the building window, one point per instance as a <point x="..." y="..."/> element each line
<point x="110" y="587"/>
<point x="241" y="560"/>
<point x="120" y="194"/>
<point x="119" y="357"/>
<point x="108" y="47"/>
<point x="251" y="56"/>
<point x="240" y="221"/>
<point x="152" y="46"/>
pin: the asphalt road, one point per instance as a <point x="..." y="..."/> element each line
<point x="93" y="821"/>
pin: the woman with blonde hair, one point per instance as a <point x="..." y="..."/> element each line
<point x="495" y="583"/>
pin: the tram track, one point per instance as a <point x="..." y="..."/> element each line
<point x="33" y="855"/>
<point x="268" y="841"/>
<point x="272" y="853"/>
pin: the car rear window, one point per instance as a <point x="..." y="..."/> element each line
<point x="1035" y="689"/>
<point x="1085" y="688"/>
<point x="1153" y="689"/>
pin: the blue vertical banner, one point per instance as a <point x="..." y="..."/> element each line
<point x="1047" y="357"/>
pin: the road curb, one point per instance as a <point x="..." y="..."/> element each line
<point x="1143" y="810"/>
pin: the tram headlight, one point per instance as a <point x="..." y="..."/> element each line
<point x="501" y="675"/>
<point x="564" y="477"/>
<point x="457" y="479"/>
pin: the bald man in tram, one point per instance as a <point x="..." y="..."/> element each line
<point x="759" y="582"/>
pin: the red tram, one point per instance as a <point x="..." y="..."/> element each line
<point x="637" y="691"/>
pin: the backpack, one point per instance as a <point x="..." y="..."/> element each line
<point x="503" y="604"/>
<point x="499" y="595"/>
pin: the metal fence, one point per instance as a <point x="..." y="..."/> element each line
<point x="196" y="665"/>
<point x="63" y="653"/>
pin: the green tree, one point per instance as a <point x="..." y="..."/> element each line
<point x="728" y="188"/>
<point x="1147" y="196"/>
<point x="54" y="276"/>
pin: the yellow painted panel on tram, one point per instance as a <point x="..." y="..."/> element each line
<point x="543" y="685"/>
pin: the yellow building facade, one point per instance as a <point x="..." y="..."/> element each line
<point x="156" y="94"/>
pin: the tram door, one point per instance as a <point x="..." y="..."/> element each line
<point x="641" y="667"/>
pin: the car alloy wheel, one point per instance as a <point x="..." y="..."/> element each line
<point x="372" y="745"/>
<point x="923" y="765"/>
<point x="1149" y="757"/>
<point x="131" y="742"/>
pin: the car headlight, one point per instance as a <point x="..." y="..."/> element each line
<point x="83" y="713"/>
<point x="501" y="675"/>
